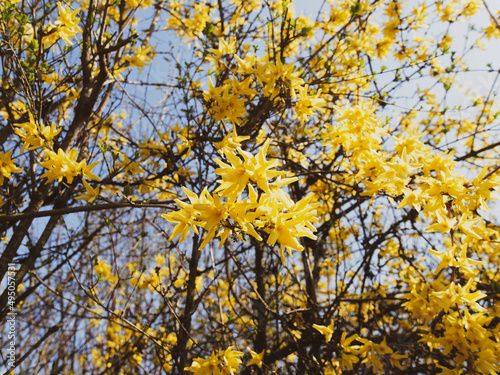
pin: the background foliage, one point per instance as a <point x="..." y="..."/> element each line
<point x="220" y="187"/>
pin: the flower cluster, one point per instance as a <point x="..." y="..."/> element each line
<point x="65" y="27"/>
<point x="248" y="200"/>
<point x="59" y="164"/>
<point x="7" y="166"/>
<point x="277" y="81"/>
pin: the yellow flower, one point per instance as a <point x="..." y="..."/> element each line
<point x="232" y="361"/>
<point x="7" y="166"/>
<point x="282" y="232"/>
<point x="234" y="177"/>
<point x="349" y="351"/>
<point x="87" y="171"/>
<point x="270" y="209"/>
<point x="210" y="214"/>
<point x="445" y="259"/>
<point x="103" y="269"/>
<point x="443" y="224"/>
<point x="65" y="27"/>
<point x="307" y="104"/>
<point x="223" y="49"/>
<point x="34" y="135"/>
<point x="91" y="194"/>
<point x="132" y="167"/>
<point x="207" y="366"/>
<point x="326" y="331"/>
<point x="223" y="363"/>
<point x="413" y="198"/>
<point x="246" y="66"/>
<point x="62" y="165"/>
<point x="183" y="217"/>
<point x="260" y="168"/>
<point x="256" y="358"/>
<point x="139" y="57"/>
<point x="230" y="141"/>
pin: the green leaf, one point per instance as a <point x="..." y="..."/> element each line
<point x="496" y="286"/>
<point x="104" y="147"/>
<point x="209" y="29"/>
<point x="356" y="8"/>
<point x="127" y="190"/>
<point x="305" y="30"/>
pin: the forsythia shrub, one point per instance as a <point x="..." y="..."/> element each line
<point x="255" y="187"/>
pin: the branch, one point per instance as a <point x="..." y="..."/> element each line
<point x="491" y="14"/>
<point x="88" y="208"/>
<point x="477" y="152"/>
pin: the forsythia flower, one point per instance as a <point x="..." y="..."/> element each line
<point x="326" y="331"/>
<point x="230" y="142"/>
<point x="7" y="166"/>
<point x="104" y="269"/>
<point x="91" y="194"/>
<point x="139" y="57"/>
<point x="223" y="363"/>
<point x="35" y="136"/>
<point x="61" y="165"/>
<point x="307" y="104"/>
<point x="256" y="358"/>
<point x="65" y="27"/>
<point x="184" y="217"/>
<point x="270" y="210"/>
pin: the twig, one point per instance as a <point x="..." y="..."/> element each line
<point x="88" y="208"/>
<point x="491" y="14"/>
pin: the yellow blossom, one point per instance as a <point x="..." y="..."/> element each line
<point x="92" y="193"/>
<point x="7" y="166"/>
<point x="326" y="331"/>
<point x="256" y="358"/>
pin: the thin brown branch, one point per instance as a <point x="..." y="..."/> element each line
<point x="491" y="14"/>
<point x="88" y="208"/>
